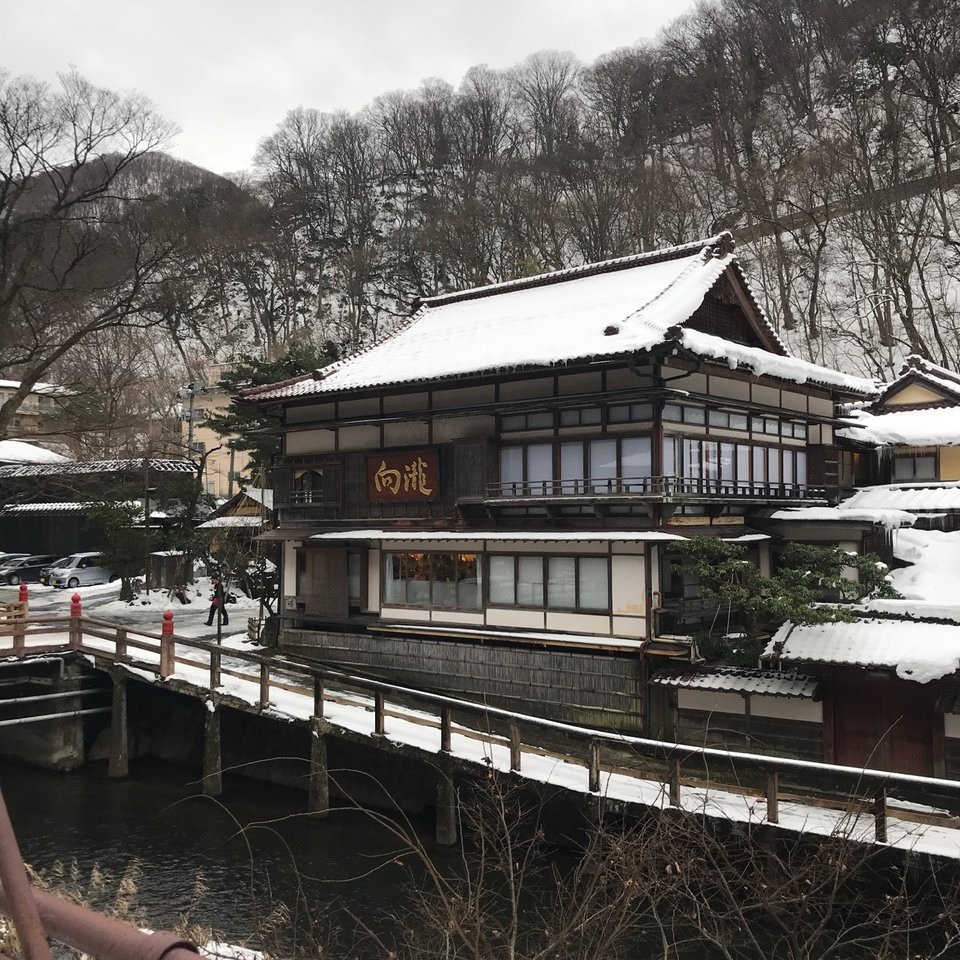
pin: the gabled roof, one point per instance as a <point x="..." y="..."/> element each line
<point x="923" y="496"/>
<point x="259" y="495"/>
<point x="78" y="467"/>
<point x="19" y="451"/>
<point x="599" y="311"/>
<point x="916" y="369"/>
<point x="759" y="683"/>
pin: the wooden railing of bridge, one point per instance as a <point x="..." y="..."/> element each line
<point x="842" y="787"/>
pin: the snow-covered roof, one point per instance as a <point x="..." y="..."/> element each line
<point x="528" y="536"/>
<point x="763" y="683"/>
<point x="928" y="427"/>
<point x="917" y="650"/>
<point x="261" y="495"/>
<point x="50" y="389"/>
<point x="74" y="467"/>
<point x="19" y="451"/>
<point x="891" y="519"/>
<point x="922" y="497"/>
<point x="235" y="521"/>
<point x="65" y="506"/>
<point x="593" y="312"/>
<point x="918" y="368"/>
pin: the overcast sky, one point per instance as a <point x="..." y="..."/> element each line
<point x="227" y="71"/>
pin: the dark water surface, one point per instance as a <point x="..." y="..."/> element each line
<point x="159" y="818"/>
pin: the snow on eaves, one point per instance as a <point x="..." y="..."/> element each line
<point x="595" y="312"/>
<point x="763" y="683"/>
<point x="891" y="519"/>
<point x="916" y="650"/>
<point x="912" y="497"/>
<point x="928" y="427"/>
<point x="219" y="523"/>
<point x="75" y="467"/>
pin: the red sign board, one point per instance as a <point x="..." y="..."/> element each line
<point x="414" y="475"/>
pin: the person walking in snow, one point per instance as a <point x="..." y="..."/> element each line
<point x="218" y="602"/>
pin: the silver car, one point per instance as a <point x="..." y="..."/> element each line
<point x="79" y="569"/>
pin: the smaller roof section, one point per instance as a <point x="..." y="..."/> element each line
<point x="891" y="519"/>
<point x="80" y="467"/>
<point x="19" y="451"/>
<point x="926" y="427"/>
<point x="760" y="683"/>
<point x="916" y="650"/>
<point x="933" y="385"/>
<point x="914" y="497"/>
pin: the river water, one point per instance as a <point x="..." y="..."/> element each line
<point x="253" y="846"/>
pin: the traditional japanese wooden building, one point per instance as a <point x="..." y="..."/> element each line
<point x="488" y="500"/>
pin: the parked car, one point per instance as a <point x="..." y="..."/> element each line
<point x="79" y="569"/>
<point x="6" y="558"/>
<point x="24" y="569"/>
<point x="46" y="571"/>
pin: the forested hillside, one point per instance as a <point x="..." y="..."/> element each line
<point x="823" y="133"/>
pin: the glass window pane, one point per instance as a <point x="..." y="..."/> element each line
<point x="530" y="581"/>
<point x="773" y="465"/>
<point x="669" y="456"/>
<point x="511" y="465"/>
<point x="516" y="421"/>
<point x="728" y="464"/>
<point x="417" y="575"/>
<point x="569" y="418"/>
<point x="561" y="583"/>
<point x="468" y="581"/>
<point x="738" y="421"/>
<point x="501" y="581"/>
<point x="903" y="468"/>
<point x="603" y="459"/>
<point x="743" y="465"/>
<point x="591" y="415"/>
<point x="537" y="421"/>
<point x="800" y="430"/>
<point x="672" y="411"/>
<point x="771" y="425"/>
<point x="719" y="418"/>
<point x="711" y="460"/>
<point x="394" y="579"/>
<point x="443" y="575"/>
<point x="635" y="460"/>
<point x="691" y="459"/>
<point x="694" y="415"/>
<point x="539" y="467"/>
<point x="593" y="583"/>
<point x="571" y="467"/>
<point x="926" y="468"/>
<point x="788" y="456"/>
<point x="619" y="414"/>
<point x="759" y="464"/>
<point x="802" y="467"/>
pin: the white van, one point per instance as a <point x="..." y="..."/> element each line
<point x="79" y="569"/>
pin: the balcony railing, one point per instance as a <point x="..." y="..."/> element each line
<point x="655" y="487"/>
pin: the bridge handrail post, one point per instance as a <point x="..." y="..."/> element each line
<point x="593" y="774"/>
<point x="167" y="645"/>
<point x="379" y="711"/>
<point x="446" y="729"/>
<point x="773" y="796"/>
<point x="264" y="700"/>
<point x="673" y="783"/>
<point x="515" y="755"/>
<point x="76" y="631"/>
<point x="121" y="648"/>
<point x="318" y="696"/>
<point x="880" y="813"/>
<point x="214" y="670"/>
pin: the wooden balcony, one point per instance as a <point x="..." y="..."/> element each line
<point x="626" y="490"/>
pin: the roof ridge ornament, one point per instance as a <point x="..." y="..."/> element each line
<point x="722" y="245"/>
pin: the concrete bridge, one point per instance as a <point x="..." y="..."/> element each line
<point x="460" y="739"/>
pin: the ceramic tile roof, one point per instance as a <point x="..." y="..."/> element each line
<point x="598" y="311"/>
<point x="76" y="467"/>
<point x="917" y="650"/>
<point x="764" y="683"/>
<point x="236" y="521"/>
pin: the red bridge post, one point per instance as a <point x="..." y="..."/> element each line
<point x="76" y="612"/>
<point x="167" y="651"/>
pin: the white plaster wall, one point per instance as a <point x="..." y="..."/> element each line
<point x="457" y="616"/>
<point x="716" y="700"/>
<point x="405" y="433"/>
<point x="518" y="389"/>
<point x="951" y="724"/>
<point x="726" y="387"/>
<point x="628" y="586"/>
<point x="578" y="623"/>
<point x="289" y="567"/>
<point x="406" y="401"/>
<point x="629" y="627"/>
<point x="786" y="709"/>
<point x="793" y="401"/>
<point x="768" y="395"/>
<point x="580" y="383"/>
<point x="365" y="407"/>
<point x="316" y="411"/>
<point x="462" y="428"/>
<point x="509" y="617"/>
<point x="405" y="613"/>
<point x="463" y="396"/>
<point x="359" y="438"/>
<point x="310" y="441"/>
